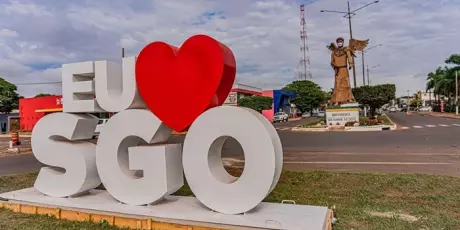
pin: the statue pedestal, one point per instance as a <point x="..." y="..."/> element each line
<point x="340" y="115"/>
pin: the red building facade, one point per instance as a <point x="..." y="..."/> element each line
<point x="32" y="109"/>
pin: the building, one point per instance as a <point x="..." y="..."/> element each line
<point x="429" y="98"/>
<point x="32" y="109"/>
<point x="9" y="121"/>
<point x="281" y="102"/>
<point x="281" y="99"/>
<point x="239" y="91"/>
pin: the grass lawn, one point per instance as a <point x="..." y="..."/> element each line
<point x="363" y="200"/>
<point x="315" y="121"/>
<point x="386" y="121"/>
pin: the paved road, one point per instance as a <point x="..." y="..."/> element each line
<point x="435" y="124"/>
<point x="421" y="150"/>
<point x="283" y="126"/>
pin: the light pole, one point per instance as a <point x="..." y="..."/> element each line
<point x="408" y="102"/>
<point x="362" y="53"/>
<point x="348" y="15"/>
<point x="368" y="70"/>
<point x="456" y="92"/>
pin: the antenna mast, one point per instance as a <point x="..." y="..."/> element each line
<point x="304" y="69"/>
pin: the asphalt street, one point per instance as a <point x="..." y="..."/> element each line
<point x="434" y="148"/>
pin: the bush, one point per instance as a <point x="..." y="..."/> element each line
<point x="372" y="122"/>
<point x="350" y="123"/>
<point x="257" y="103"/>
<point x="375" y="96"/>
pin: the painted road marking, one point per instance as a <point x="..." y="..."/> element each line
<point x="430" y="126"/>
<point x="458" y="125"/>
<point x="417" y="126"/>
<point x="282" y="129"/>
<point x="443" y="125"/>
<point x="404" y="127"/>
<point x="364" y="163"/>
<point x="232" y="160"/>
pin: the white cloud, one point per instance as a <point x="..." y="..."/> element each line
<point x="36" y="37"/>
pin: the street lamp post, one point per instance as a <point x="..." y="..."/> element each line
<point x="408" y="102"/>
<point x="364" y="72"/>
<point x="456" y="92"/>
<point x="348" y="15"/>
<point x="368" y="70"/>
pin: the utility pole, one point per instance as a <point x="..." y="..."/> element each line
<point x="348" y="15"/>
<point x="408" y="101"/>
<point x="368" y="80"/>
<point x="368" y="70"/>
<point x="456" y="92"/>
<point x="351" y="36"/>
<point x="364" y="73"/>
<point x="362" y="54"/>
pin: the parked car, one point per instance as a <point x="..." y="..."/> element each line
<point x="99" y="126"/>
<point x="392" y="110"/>
<point x="280" y="117"/>
<point x="425" y="109"/>
<point x="306" y="115"/>
<point x="321" y="114"/>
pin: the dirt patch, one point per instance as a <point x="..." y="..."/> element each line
<point x="22" y="151"/>
<point x="357" y="224"/>
<point x="405" y="217"/>
<point x="393" y="193"/>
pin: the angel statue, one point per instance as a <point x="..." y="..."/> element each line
<point x="341" y="56"/>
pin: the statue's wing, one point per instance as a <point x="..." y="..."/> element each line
<point x="332" y="46"/>
<point x="357" y="45"/>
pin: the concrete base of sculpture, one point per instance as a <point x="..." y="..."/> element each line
<point x="341" y="115"/>
<point x="99" y="206"/>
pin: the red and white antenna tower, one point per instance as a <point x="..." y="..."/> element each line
<point x="303" y="68"/>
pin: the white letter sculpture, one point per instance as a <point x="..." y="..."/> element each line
<point x="76" y="161"/>
<point x="202" y="160"/>
<point x="116" y="88"/>
<point x="131" y="158"/>
<point x="78" y="88"/>
<point x="118" y="158"/>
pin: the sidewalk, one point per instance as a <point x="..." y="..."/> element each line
<point x="447" y="115"/>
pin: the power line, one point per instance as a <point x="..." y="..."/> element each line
<point x="39" y="83"/>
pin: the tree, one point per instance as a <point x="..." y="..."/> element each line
<point x="308" y="95"/>
<point x="9" y="98"/>
<point x="375" y="96"/>
<point x="257" y="103"/>
<point x="442" y="80"/>
<point x="43" y="95"/>
<point x="415" y="102"/>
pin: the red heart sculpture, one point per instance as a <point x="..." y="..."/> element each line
<point x="178" y="85"/>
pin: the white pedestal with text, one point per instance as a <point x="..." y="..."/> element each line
<point x="339" y="116"/>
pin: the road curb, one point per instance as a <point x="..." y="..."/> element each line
<point x="444" y="116"/>
<point x="295" y="129"/>
<point x="378" y="128"/>
<point x="394" y="126"/>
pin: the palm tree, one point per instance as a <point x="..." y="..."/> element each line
<point x="442" y="80"/>
<point x="453" y="59"/>
<point x="433" y="82"/>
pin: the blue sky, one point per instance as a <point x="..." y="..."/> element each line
<point x="36" y="37"/>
